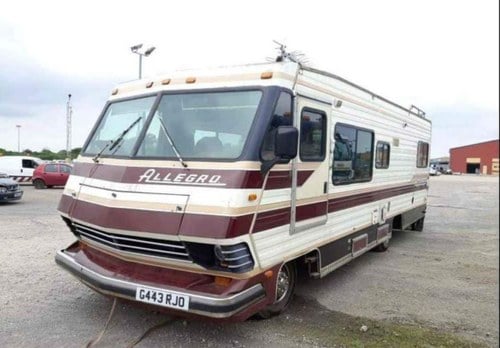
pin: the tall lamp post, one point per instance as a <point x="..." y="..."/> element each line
<point x="135" y="49"/>
<point x="18" y="137"/>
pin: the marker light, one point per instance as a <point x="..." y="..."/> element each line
<point x="165" y="82"/>
<point x="114" y="92"/>
<point x="190" y="79"/>
<point x="266" y="75"/>
<point x="149" y="84"/>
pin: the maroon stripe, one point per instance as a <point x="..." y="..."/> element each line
<point x="270" y="219"/>
<point x="194" y="177"/>
<point x="309" y="211"/>
<point x="65" y="204"/>
<point x="208" y="226"/>
<point x="213" y="226"/>
<point x="341" y="203"/>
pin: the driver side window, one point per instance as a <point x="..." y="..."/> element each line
<point x="282" y="116"/>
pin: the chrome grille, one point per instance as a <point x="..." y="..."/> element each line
<point x="138" y="245"/>
<point x="12" y="187"/>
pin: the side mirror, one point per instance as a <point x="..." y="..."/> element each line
<point x="286" y="141"/>
<point x="285" y="147"/>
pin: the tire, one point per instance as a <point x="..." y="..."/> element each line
<point x="285" y="287"/>
<point x="418" y="225"/>
<point x="382" y="246"/>
<point x="39" y="184"/>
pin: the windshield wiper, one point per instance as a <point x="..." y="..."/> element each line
<point x="171" y="142"/>
<point x="114" y="143"/>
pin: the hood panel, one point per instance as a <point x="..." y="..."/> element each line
<point x="129" y="210"/>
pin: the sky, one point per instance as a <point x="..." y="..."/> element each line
<point x="440" y="55"/>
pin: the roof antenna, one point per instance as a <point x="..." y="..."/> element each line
<point x="295" y="56"/>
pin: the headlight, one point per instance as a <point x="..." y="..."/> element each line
<point x="232" y="258"/>
<point x="3" y="189"/>
<point x="235" y="258"/>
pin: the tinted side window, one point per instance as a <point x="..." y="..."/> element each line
<point x="282" y="116"/>
<point x="382" y="155"/>
<point x="352" y="155"/>
<point x="312" y="135"/>
<point x="422" y="154"/>
<point x="27" y="163"/>
<point x="51" y="168"/>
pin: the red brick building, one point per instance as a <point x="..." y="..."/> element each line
<point x="481" y="158"/>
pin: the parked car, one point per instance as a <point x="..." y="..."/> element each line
<point x="9" y="189"/>
<point x="51" y="174"/>
<point x="433" y="170"/>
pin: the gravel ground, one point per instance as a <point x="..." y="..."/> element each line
<point x="445" y="279"/>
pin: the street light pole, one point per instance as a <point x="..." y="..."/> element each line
<point x="18" y="137"/>
<point x="140" y="66"/>
<point x="135" y="49"/>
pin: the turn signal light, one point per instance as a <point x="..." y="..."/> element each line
<point x="149" y="84"/>
<point x="190" y="79"/>
<point x="252" y="197"/>
<point x="114" y="92"/>
<point x="223" y="281"/>
<point x="165" y="82"/>
<point x="268" y="274"/>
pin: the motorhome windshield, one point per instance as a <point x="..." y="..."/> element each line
<point x="211" y="125"/>
<point x="120" y="127"/>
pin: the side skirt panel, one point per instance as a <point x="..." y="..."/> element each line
<point x="337" y="253"/>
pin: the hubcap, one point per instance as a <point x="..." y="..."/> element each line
<point x="283" y="283"/>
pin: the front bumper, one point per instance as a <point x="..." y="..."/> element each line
<point x="208" y="305"/>
<point x="11" y="196"/>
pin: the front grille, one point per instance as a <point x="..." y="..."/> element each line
<point x="138" y="245"/>
<point x="12" y="187"/>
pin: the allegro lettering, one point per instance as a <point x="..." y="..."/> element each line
<point x="152" y="176"/>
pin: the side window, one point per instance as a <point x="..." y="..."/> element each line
<point x="312" y="135"/>
<point x="422" y="154"/>
<point x="382" y="155"/>
<point x="282" y="116"/>
<point x="65" y="169"/>
<point x="352" y="155"/>
<point x="27" y="163"/>
<point x="51" y="168"/>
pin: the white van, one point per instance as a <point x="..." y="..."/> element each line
<point x="19" y="168"/>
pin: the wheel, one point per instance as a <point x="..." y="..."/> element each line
<point x="285" y="287"/>
<point x="382" y="246"/>
<point x="418" y="225"/>
<point x="39" y="184"/>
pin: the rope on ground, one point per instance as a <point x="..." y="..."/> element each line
<point x="94" y="341"/>
<point x="151" y="329"/>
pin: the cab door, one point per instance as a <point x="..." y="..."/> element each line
<point x="310" y="168"/>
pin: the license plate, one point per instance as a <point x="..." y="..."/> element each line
<point x="162" y="298"/>
<point x="17" y="194"/>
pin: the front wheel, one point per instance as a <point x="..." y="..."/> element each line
<point x="285" y="287"/>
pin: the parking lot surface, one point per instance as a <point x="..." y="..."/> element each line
<point x="444" y="279"/>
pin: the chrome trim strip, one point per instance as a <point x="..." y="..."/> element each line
<point x="210" y="306"/>
<point x="89" y="236"/>
<point x="136" y="240"/>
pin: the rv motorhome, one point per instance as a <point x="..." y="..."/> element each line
<point x="203" y="192"/>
